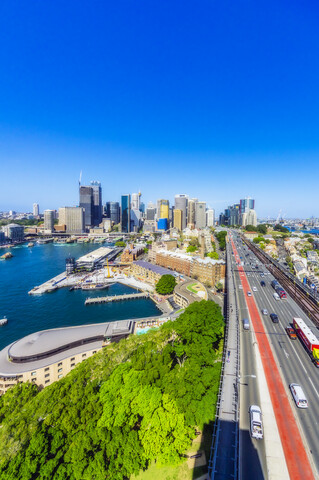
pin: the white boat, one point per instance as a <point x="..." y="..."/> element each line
<point x="3" y="321"/>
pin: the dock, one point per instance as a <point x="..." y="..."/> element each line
<point x="115" y="298"/>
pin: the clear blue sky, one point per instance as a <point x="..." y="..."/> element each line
<point x="219" y="100"/>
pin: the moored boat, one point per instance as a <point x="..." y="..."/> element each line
<point x="3" y="321"/>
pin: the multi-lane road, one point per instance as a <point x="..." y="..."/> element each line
<point x="292" y="360"/>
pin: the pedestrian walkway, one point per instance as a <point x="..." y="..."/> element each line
<point x="224" y="453"/>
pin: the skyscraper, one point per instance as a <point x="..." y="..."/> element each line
<point x="35" y="209"/>
<point x="115" y="212"/>
<point x="210" y="217"/>
<point x="86" y="202"/>
<point x="49" y="221"/>
<point x="191" y="212"/>
<point x="135" y="205"/>
<point x="97" y="202"/>
<point x="246" y="203"/>
<point x="73" y="218"/>
<point x="200" y="215"/>
<point x="162" y="209"/>
<point x="181" y="202"/>
<point x="178" y="217"/>
<point x="126" y="213"/>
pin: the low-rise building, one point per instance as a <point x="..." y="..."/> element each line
<point x="132" y="252"/>
<point x="47" y="356"/>
<point x="148" y="272"/>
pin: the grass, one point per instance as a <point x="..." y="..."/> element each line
<point x="192" y="289"/>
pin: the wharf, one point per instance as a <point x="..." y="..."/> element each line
<point x="49" y="286"/>
<point x="115" y="298"/>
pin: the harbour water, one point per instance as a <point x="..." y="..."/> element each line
<point x="31" y="266"/>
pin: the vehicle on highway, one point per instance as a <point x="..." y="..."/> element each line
<point x="276" y="296"/>
<point x="240" y="286"/>
<point x="246" y="325"/>
<point x="248" y="294"/>
<point x="255" y="289"/>
<point x="264" y="311"/>
<point x="308" y="338"/>
<point x="274" y="317"/>
<point x="256" y="425"/>
<point x="298" y="395"/>
<point x="291" y="332"/>
<point x="262" y="283"/>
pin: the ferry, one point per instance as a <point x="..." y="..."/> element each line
<point x="30" y="244"/>
<point x="3" y="321"/>
<point x="6" y="256"/>
<point x="95" y="286"/>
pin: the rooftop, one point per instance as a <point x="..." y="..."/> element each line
<point x="154" y="268"/>
<point x="96" y="255"/>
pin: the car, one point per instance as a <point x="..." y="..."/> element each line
<point x="256" y="425"/>
<point x="291" y="332"/>
<point x="262" y="283"/>
<point x="249" y="293"/>
<point x="264" y="311"/>
<point x="255" y="289"/>
<point x="240" y="286"/>
<point x="274" y="317"/>
<point x="298" y="395"/>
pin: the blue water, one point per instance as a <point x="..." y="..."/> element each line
<point x="313" y="231"/>
<point x="29" y="313"/>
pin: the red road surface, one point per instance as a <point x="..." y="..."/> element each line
<point x="296" y="457"/>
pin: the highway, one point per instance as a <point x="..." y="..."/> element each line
<point x="292" y="359"/>
<point x="252" y="452"/>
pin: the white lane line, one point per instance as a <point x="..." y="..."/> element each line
<point x="314" y="387"/>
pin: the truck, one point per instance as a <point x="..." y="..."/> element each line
<point x="308" y="338"/>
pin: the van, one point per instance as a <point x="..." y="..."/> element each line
<point x="246" y="324"/>
<point x="276" y="296"/>
<point x="299" y="396"/>
<point x="256" y="425"/>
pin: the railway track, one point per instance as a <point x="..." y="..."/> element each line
<point x="302" y="298"/>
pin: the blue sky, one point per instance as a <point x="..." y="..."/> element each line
<point x="215" y="99"/>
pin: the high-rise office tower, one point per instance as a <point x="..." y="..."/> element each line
<point x="181" y="202"/>
<point x="162" y="209"/>
<point x="210" y="217"/>
<point x="36" y="210"/>
<point x="97" y="202"/>
<point x="115" y="212"/>
<point x="73" y="218"/>
<point x="178" y="217"/>
<point x="49" y="221"/>
<point x="126" y="213"/>
<point x="136" y="201"/>
<point x="200" y="215"/>
<point x="246" y="203"/>
<point x="150" y="213"/>
<point x="234" y="217"/>
<point x="249" y="217"/>
<point x="86" y="202"/>
<point x="191" y="212"/>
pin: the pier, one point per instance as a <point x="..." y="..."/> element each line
<point x="116" y="298"/>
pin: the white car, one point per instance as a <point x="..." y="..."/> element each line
<point x="249" y="293"/>
<point x="256" y="425"/>
<point x="255" y="289"/>
<point x="299" y="396"/>
<point x="264" y="311"/>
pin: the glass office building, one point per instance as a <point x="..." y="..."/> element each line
<point x="126" y="213"/>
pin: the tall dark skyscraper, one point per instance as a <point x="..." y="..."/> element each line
<point x="91" y="201"/>
<point x="126" y="213"/>
<point x="86" y="202"/>
<point x="112" y="211"/>
<point x="97" y="202"/>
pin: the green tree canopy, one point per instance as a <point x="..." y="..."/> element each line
<point x="262" y="229"/>
<point x="166" y="285"/>
<point x="120" y="243"/>
<point x="191" y="249"/>
<point x="213" y="255"/>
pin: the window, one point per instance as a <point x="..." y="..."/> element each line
<point x="83" y="354"/>
<point x="60" y="370"/>
<point x="72" y="364"/>
<point x="47" y="381"/>
<point x="46" y="369"/>
<point x="46" y="375"/>
<point x="34" y="380"/>
<point x="94" y="351"/>
<point x="33" y="374"/>
<point x="72" y="359"/>
<point x="59" y="376"/>
<point x="59" y="364"/>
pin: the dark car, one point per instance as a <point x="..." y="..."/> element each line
<point x="262" y="283"/>
<point x="274" y="317"/>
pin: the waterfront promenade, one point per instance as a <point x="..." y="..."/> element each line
<point x="115" y="298"/>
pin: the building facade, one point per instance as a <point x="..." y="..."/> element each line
<point x="210" y="217"/>
<point x="14" y="232"/>
<point x="181" y="203"/>
<point x="36" y="210"/>
<point x="73" y="218"/>
<point x="126" y="213"/>
<point x="200" y="217"/>
<point x="97" y="203"/>
<point x="86" y="202"/>
<point x="49" y="216"/>
<point x="178" y="219"/>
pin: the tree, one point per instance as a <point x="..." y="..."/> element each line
<point x="219" y="286"/>
<point x="213" y="255"/>
<point x="250" y="228"/>
<point x="166" y="285"/>
<point x="191" y="249"/>
<point x="262" y="229"/>
<point x="221" y="237"/>
<point x="280" y="228"/>
<point x="120" y="243"/>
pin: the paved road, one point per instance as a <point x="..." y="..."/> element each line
<point x="252" y="452"/>
<point x="292" y="359"/>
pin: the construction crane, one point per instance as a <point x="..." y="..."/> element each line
<point x="278" y="218"/>
<point x="108" y="268"/>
